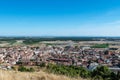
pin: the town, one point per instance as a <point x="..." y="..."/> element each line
<point x="87" y="54"/>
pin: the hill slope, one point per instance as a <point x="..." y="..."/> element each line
<point x="13" y="75"/>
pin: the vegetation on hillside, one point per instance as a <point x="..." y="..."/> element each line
<point x="71" y="71"/>
<point x="24" y="69"/>
<point x="100" y="73"/>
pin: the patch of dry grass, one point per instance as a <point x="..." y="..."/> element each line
<point x="14" y="75"/>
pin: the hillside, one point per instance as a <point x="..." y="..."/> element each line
<point x="13" y="75"/>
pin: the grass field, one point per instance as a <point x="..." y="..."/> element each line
<point x="14" y="75"/>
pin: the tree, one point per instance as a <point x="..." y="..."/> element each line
<point x="24" y="69"/>
<point x="102" y="71"/>
<point x="118" y="75"/>
<point x="84" y="73"/>
<point x="97" y="77"/>
<point x="42" y="64"/>
<point x="31" y="70"/>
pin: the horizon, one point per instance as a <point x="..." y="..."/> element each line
<point x="60" y="18"/>
<point x="62" y="36"/>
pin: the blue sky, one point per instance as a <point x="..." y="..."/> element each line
<point x="59" y="17"/>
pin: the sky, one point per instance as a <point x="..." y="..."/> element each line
<point x="59" y="17"/>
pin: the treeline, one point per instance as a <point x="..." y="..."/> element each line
<point x="30" y="41"/>
<point x="49" y="38"/>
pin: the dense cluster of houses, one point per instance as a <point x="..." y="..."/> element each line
<point x="68" y="55"/>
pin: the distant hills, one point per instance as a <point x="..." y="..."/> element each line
<point x="52" y="38"/>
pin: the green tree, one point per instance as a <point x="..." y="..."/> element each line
<point x="22" y="69"/>
<point x="42" y="64"/>
<point x="102" y="71"/>
<point x="31" y="70"/>
<point x="97" y="77"/>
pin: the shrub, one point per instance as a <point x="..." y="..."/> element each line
<point x="97" y="77"/>
<point x="24" y="69"/>
<point x="42" y="64"/>
<point x="31" y="70"/>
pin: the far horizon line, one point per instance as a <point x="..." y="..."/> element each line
<point x="58" y="36"/>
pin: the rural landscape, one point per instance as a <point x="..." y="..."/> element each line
<point x="79" y="58"/>
<point x="59" y="39"/>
